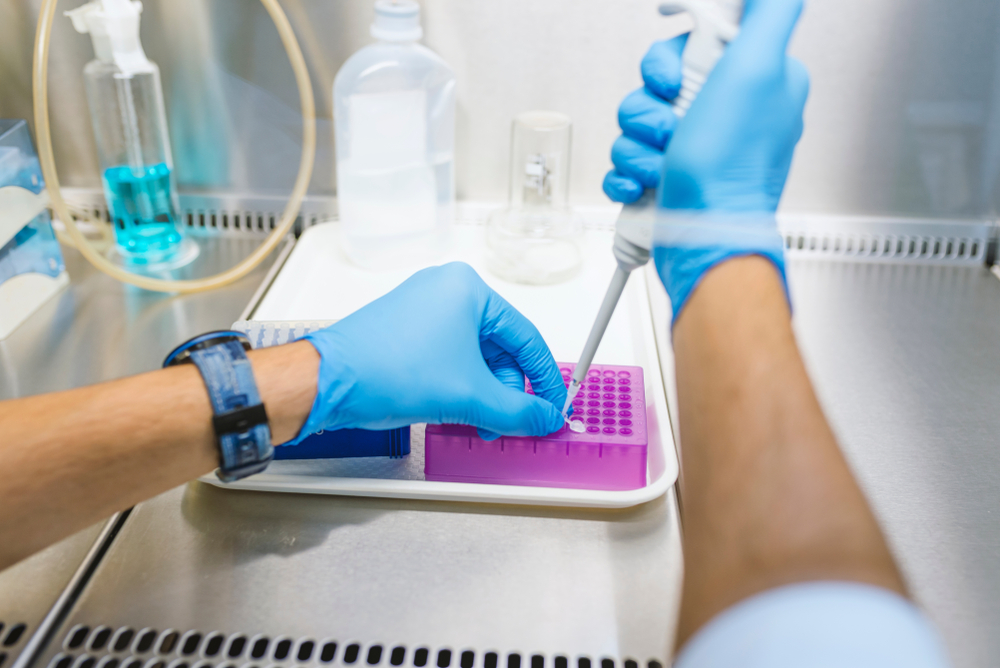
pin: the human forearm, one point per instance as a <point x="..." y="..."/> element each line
<point x="72" y="458"/>
<point x="767" y="496"/>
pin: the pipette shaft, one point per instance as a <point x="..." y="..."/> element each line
<point x="614" y="293"/>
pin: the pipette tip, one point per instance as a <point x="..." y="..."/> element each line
<point x="571" y="392"/>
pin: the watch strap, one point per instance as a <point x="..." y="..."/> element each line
<point x="240" y="421"/>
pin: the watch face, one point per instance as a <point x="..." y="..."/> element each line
<point x="182" y="353"/>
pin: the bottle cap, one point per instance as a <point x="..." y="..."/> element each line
<point x="114" y="28"/>
<point x="397" y="21"/>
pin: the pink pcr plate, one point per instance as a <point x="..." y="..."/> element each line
<point x="609" y="455"/>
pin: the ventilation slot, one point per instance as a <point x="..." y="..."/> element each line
<point x="104" y="647"/>
<point x="144" y="642"/>
<point x="329" y="651"/>
<point x="168" y="641"/>
<point x="100" y="639"/>
<point x="258" y="647"/>
<point x="236" y="645"/>
<point x="305" y="650"/>
<point x="190" y="643"/>
<point x="282" y="649"/>
<point x="213" y="645"/>
<point x="122" y="639"/>
<point x="10" y="636"/>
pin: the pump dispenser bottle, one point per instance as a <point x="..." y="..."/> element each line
<point x="130" y="127"/>
<point x="394" y="112"/>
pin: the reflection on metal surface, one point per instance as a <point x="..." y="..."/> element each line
<point x="949" y="137"/>
<point x="99" y="329"/>
<point x="907" y="366"/>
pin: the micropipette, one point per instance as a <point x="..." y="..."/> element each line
<point x="716" y="23"/>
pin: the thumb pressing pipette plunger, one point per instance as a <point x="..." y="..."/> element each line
<point x="716" y="23"/>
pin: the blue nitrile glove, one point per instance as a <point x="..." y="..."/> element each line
<point x="443" y="347"/>
<point x="647" y="121"/>
<point x="726" y="165"/>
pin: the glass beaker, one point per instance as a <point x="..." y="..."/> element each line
<point x="536" y="239"/>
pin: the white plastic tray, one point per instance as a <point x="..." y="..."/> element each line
<point x="318" y="284"/>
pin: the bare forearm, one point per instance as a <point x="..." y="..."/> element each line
<point x="72" y="458"/>
<point x="767" y="496"/>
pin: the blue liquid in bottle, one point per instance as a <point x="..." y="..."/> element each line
<point x="142" y="209"/>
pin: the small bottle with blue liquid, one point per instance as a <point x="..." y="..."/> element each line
<point x="130" y="126"/>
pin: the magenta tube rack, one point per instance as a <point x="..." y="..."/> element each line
<point x="609" y="455"/>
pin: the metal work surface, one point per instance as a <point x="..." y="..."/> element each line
<point x="906" y="360"/>
<point x="95" y="330"/>
<point x="386" y="573"/>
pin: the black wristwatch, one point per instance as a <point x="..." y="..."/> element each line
<point x="242" y="431"/>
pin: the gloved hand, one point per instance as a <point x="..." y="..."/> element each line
<point x="647" y="121"/>
<point x="727" y="162"/>
<point x="441" y="348"/>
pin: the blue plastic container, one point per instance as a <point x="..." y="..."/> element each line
<point x="31" y="262"/>
<point x="343" y="443"/>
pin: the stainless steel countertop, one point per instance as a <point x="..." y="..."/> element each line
<point x="906" y="360"/>
<point x="379" y="571"/>
<point x="94" y="330"/>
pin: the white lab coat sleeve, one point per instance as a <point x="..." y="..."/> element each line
<point x="817" y="625"/>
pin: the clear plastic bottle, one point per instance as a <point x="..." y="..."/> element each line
<point x="130" y="127"/>
<point x="394" y="111"/>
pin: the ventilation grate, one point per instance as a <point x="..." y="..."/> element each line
<point x="226" y="215"/>
<point x="905" y="248"/>
<point x="235" y="221"/>
<point x="909" y="241"/>
<point x="104" y="647"/>
<point x="12" y="634"/>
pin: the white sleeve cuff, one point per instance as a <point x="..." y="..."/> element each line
<point x="817" y="625"/>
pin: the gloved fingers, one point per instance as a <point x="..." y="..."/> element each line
<point x="507" y="327"/>
<point x="767" y="28"/>
<point x="515" y="413"/>
<point x="647" y="118"/>
<point x="505" y="369"/>
<point x="621" y="188"/>
<point x="502" y="364"/>
<point x="637" y="161"/>
<point x="661" y="67"/>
